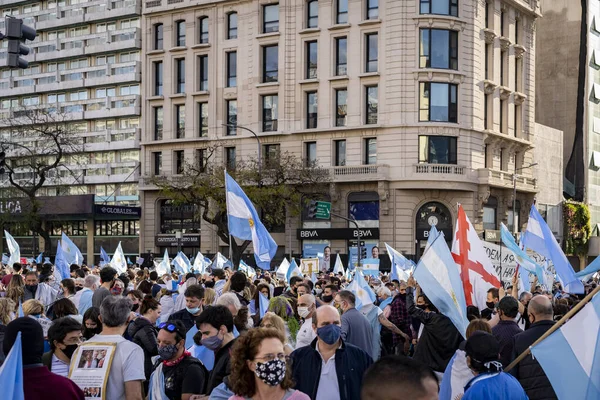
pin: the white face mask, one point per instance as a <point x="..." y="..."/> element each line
<point x="303" y="312"/>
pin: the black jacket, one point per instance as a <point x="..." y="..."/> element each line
<point x="184" y="316"/>
<point x="351" y="364"/>
<point x="222" y="367"/>
<point x="440" y="338"/>
<point x="529" y="372"/>
<point x="144" y="335"/>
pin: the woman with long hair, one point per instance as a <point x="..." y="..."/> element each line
<point x="91" y="323"/>
<point x="7" y="310"/>
<point x="143" y="332"/>
<point x="65" y="308"/>
<point x="15" y="289"/>
<point x="270" y="320"/>
<point x="260" y="367"/>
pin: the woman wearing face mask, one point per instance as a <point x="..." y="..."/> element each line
<point x="91" y="323"/>
<point x="64" y="336"/>
<point x="136" y="297"/>
<point x="177" y="375"/>
<point x="143" y="333"/>
<point x="259" y="367"/>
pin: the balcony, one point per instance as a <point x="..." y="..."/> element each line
<point x="359" y="173"/>
<point x="503" y="179"/>
<point x="440" y="169"/>
<point x="114" y="107"/>
<point x="109" y="140"/>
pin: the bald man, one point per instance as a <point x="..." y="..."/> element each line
<point x="529" y="372"/>
<point x="329" y="368"/>
<point x="306" y="310"/>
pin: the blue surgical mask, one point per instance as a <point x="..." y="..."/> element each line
<point x="330" y="334"/>
<point x="212" y="343"/>
<point x="193" y="311"/>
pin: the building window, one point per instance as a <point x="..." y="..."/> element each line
<point x="372" y="11"/>
<point x="503" y="165"/>
<point x="517" y="31"/>
<point x="180" y="33"/>
<point x="518" y="74"/>
<point x="437" y="150"/>
<point x="232" y="26"/>
<point x="270" y="63"/>
<point x="489" y="214"/>
<point x="312" y="17"/>
<point x="203" y="34"/>
<point x="231" y="69"/>
<point x="311" y="110"/>
<point x="488" y="60"/>
<point x="363" y="207"/>
<point x="230" y="157"/>
<point x="201" y="160"/>
<point x="486" y="163"/>
<point x="271" y="18"/>
<point x="440" y="7"/>
<point x="439" y="49"/>
<point x="180" y="68"/>
<point x="502" y="24"/>
<point x="157" y="161"/>
<point x="372" y="52"/>
<point x="178" y="162"/>
<point x="341" y="107"/>
<point x="518" y="120"/>
<point x="438" y="102"/>
<point x="489" y="13"/>
<point x="504" y="68"/>
<point x="372" y="98"/>
<point x="231" y="117"/>
<point x="340" y="153"/>
<point x="311" y="59"/>
<point x="269" y="113"/>
<point x="203" y="64"/>
<point x="158" y="123"/>
<point x="180" y="121"/>
<point x="503" y="116"/>
<point x="311" y="153"/>
<point x="203" y="122"/>
<point x="370" y="151"/>
<point x="158" y="78"/>
<point x="341" y="56"/>
<point x="487" y="105"/>
<point x="271" y="154"/>
<point x="158" y="37"/>
<point x="341" y="9"/>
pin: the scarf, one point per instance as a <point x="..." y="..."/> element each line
<point x="178" y="360"/>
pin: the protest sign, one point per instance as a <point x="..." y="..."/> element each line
<point x="90" y="368"/>
<point x="505" y="263"/>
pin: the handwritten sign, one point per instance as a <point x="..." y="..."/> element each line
<point x="505" y="262"/>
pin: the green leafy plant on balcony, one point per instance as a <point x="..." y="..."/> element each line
<point x="577" y="229"/>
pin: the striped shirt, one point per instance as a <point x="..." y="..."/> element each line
<point x="59" y="367"/>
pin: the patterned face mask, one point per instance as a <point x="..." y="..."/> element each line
<point x="271" y="372"/>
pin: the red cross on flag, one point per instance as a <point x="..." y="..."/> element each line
<point x="476" y="270"/>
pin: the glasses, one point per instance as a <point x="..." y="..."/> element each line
<point x="271" y="357"/>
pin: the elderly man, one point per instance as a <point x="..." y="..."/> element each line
<point x="356" y="329"/>
<point x="306" y="310"/>
<point x="83" y="298"/>
<point x="329" y="368"/>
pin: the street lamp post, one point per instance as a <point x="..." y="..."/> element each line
<point x="259" y="147"/>
<point x="514" y="202"/>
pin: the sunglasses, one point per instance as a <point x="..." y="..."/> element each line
<point x="168" y="327"/>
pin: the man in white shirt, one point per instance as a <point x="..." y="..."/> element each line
<point x="64" y="337"/>
<point x="127" y="369"/>
<point x="306" y="310"/>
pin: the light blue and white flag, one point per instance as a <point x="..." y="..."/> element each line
<point x="248" y="270"/>
<point x="11" y="373"/>
<point x="520" y="256"/>
<point x="338" y="267"/>
<point x="293" y="270"/>
<point x="439" y="278"/>
<point x="163" y="267"/>
<point x="244" y="223"/>
<point x="129" y="262"/>
<point x="314" y="277"/>
<point x="182" y="263"/>
<point x="118" y="261"/>
<point x="396" y="258"/>
<point x="103" y="256"/>
<point x="361" y="289"/>
<point x="219" y="261"/>
<point x="370" y="266"/>
<point x="433" y="234"/>
<point x="570" y="356"/>
<point x="541" y="240"/>
<point x="283" y="269"/>
<point x="399" y="274"/>
<point x="5" y="259"/>
<point x="203" y="354"/>
<point x="263" y="304"/>
<point x="70" y="251"/>
<point x="38" y="259"/>
<point x="20" y="313"/>
<point x="60" y="263"/>
<point x="200" y="263"/>
<point x="13" y="248"/>
<point x="590" y="269"/>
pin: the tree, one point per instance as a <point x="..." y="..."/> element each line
<point x="36" y="148"/>
<point x="277" y="185"/>
<point x="577" y="230"/>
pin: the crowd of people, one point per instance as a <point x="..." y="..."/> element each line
<point x="200" y="336"/>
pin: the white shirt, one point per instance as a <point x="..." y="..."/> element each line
<point x="328" y="389"/>
<point x="306" y="334"/>
<point x="59" y="367"/>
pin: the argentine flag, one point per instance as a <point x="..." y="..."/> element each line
<point x="70" y="251"/>
<point x="219" y="261"/>
<point x="11" y="373"/>
<point x="283" y="269"/>
<point x="13" y="248"/>
<point x="182" y="263"/>
<point x="440" y="280"/>
<point x="396" y="258"/>
<point x="338" y="267"/>
<point x="541" y="240"/>
<point x="570" y="356"/>
<point x="520" y="256"/>
<point x="433" y="234"/>
<point x="364" y="294"/>
<point x="199" y="263"/>
<point x="163" y="268"/>
<point x="293" y="270"/>
<point x="118" y="261"/>
<point x="244" y="223"/>
<point x="62" y="267"/>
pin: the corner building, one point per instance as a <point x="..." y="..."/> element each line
<point x="413" y="107"/>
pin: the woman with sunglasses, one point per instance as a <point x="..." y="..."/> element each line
<point x="260" y="368"/>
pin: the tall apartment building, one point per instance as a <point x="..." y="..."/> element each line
<point x="568" y="94"/>
<point x="85" y="64"/>
<point x="413" y="106"/>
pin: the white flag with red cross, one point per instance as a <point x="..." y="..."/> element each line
<point x="476" y="270"/>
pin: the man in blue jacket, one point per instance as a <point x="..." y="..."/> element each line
<point x="329" y="369"/>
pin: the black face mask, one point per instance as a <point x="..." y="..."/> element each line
<point x="422" y="306"/>
<point x="209" y="284"/>
<point x="135" y="307"/>
<point x="327" y="299"/>
<point x="31" y="288"/>
<point x="70" y="350"/>
<point x="490" y="305"/>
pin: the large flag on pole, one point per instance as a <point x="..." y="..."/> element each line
<point x="118" y="261"/>
<point x="477" y="273"/>
<point x="70" y="250"/>
<point x="11" y="373"/>
<point x="283" y="268"/>
<point x="441" y="282"/>
<point x="163" y="267"/>
<point x="182" y="263"/>
<point x="590" y="269"/>
<point x="199" y="263"/>
<point x="364" y="294"/>
<point x="293" y="270"/>
<point x="396" y="258"/>
<point x="338" y="267"/>
<point x="244" y="223"/>
<point x="219" y="261"/>
<point x="61" y="264"/>
<point x="433" y="234"/>
<point x="570" y="356"/>
<point x="103" y="256"/>
<point x="13" y="248"/>
<point x="541" y="240"/>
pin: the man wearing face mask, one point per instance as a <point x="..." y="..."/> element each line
<point x="306" y="310"/>
<point x="356" y="329"/>
<point x="215" y="329"/>
<point x="177" y="375"/>
<point x="330" y="368"/>
<point x="107" y="276"/>
<point x="507" y="328"/>
<point x="493" y="297"/>
<point x="38" y="291"/>
<point x="328" y="295"/>
<point x="194" y="303"/>
<point x="64" y="336"/>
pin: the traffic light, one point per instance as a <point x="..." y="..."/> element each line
<point x="363" y="253"/>
<point x="312" y="209"/>
<point x="2" y="161"/>
<point x="17" y="33"/>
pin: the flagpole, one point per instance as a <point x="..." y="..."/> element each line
<point x="227" y="207"/>
<point x="554" y="327"/>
